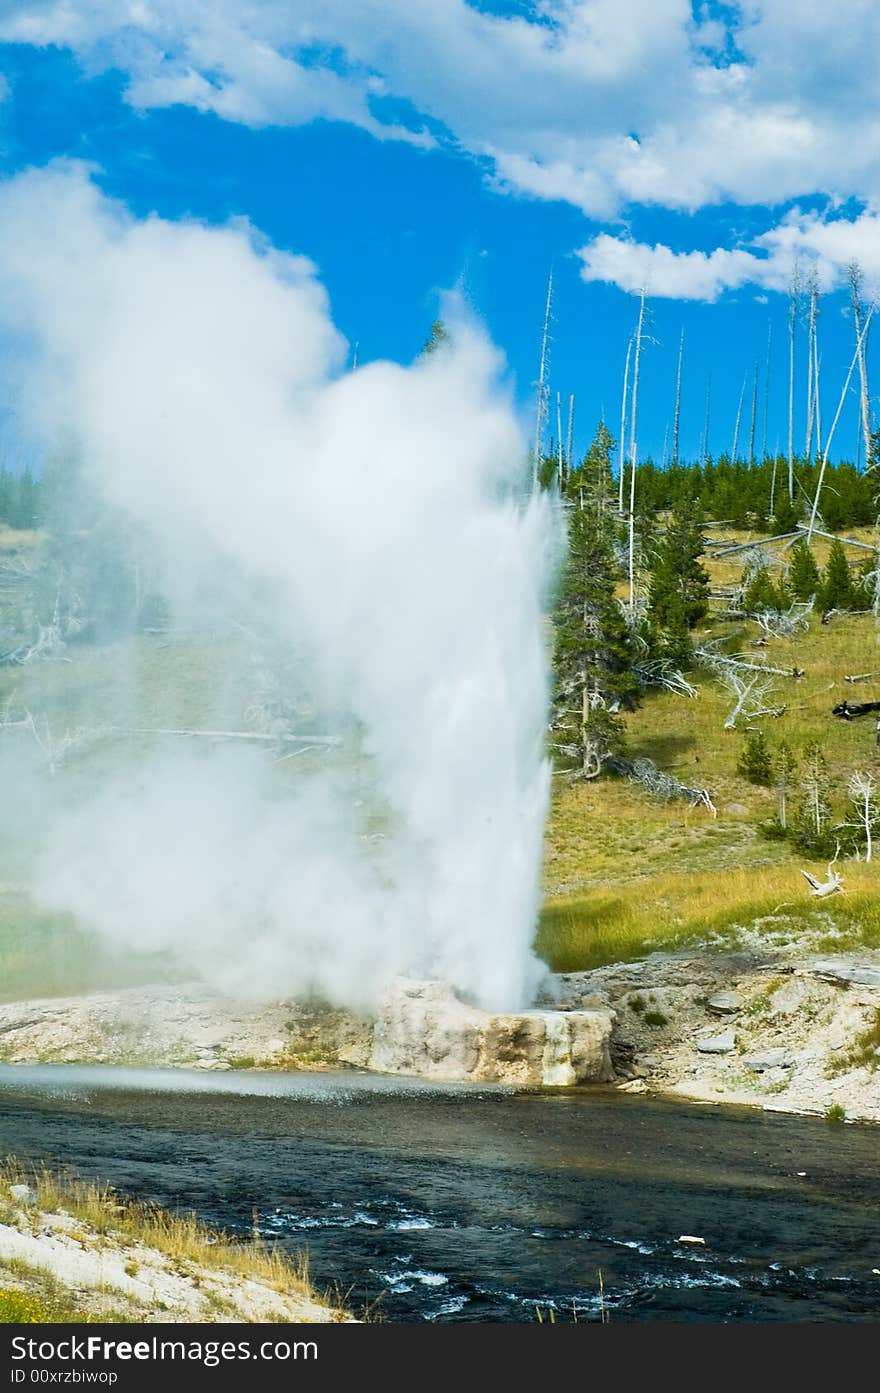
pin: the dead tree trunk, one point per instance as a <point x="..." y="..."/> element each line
<point x="855" y="285"/>
<point x="861" y="791"/>
<point x="541" y="405"/>
<point x="623" y="426"/>
<point x="811" y="342"/>
<point x="827" y="449"/>
<point x="706" y="426"/>
<point x="738" y="419"/>
<point x="817" y="396"/>
<point x="677" y="418"/>
<point x="633" y="457"/>
<point x="754" y="421"/>
<point x="794" y="291"/>
<point x="767" y="400"/>
<point x="823" y="888"/>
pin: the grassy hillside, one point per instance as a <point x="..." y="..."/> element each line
<point x="625" y="873"/>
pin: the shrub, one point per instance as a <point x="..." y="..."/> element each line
<point x="655" y="1018"/>
<point x="773" y="830"/>
<point x="819" y="846"/>
<point x="756" y="761"/>
<point x="864" y="1052"/>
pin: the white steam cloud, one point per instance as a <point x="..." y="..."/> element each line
<point x="370" y="523"/>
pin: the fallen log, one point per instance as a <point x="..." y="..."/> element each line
<point x="850" y="710"/>
<point x="837" y="614"/>
<point x="758" y="542"/>
<point x="656" y="781"/>
<point x="823" y="888"/>
<point x="832" y="537"/>
<point x="773" y="711"/>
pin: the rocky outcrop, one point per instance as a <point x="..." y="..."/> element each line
<point x="717" y="1044"/>
<point x="185" y="1027"/>
<point x="424" y="1028"/>
<point x="784" y="1025"/>
<point x="772" y="1023"/>
<point x="725" y="1003"/>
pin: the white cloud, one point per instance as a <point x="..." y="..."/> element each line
<point x="828" y="245"/>
<point x="592" y="102"/>
<point x="241" y="66"/>
<point x="601" y="104"/>
<point x="662" y="272"/>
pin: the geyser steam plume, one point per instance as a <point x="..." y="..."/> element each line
<point x="370" y="523"/>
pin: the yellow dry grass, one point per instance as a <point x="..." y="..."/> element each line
<point x="621" y="922"/>
<point x="179" y="1236"/>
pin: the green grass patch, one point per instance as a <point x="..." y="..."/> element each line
<point x="864" y="1052"/>
<point x="19" y="1307"/>
<point x="33" y="1297"/>
<point x="154" y="681"/>
<point x="43" y="954"/>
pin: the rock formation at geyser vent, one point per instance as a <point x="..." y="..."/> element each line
<point x="423" y="1028"/>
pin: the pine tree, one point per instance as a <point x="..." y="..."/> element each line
<point x="785" y="515"/>
<point x="761" y="594"/>
<point x="548" y="467"/>
<point x="679" y="590"/>
<point x="756" y="762"/>
<point x="784" y="774"/>
<point x="594" y="653"/>
<point x="593" y="484"/>
<point x="784" y="597"/>
<point x="439" y="337"/>
<point x="837" y="590"/>
<point x="803" y="574"/>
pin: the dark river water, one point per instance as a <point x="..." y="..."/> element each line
<point x="456" y="1203"/>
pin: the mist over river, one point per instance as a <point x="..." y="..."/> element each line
<point x="452" y="1203"/>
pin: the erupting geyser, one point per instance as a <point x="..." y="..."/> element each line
<point x="369" y="525"/>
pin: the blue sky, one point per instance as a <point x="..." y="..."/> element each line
<point x="691" y="149"/>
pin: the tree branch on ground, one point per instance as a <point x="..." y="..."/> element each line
<point x="662" y="673"/>
<point x="657" y="782"/>
<point x="831" y="885"/>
